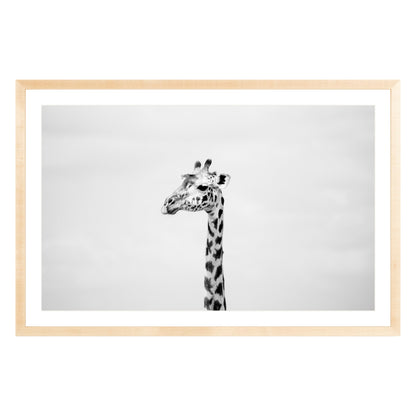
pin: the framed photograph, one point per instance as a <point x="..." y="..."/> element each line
<point x="207" y="207"/>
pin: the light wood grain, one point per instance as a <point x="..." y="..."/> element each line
<point x="395" y="207"/>
<point x="208" y="330"/>
<point x="20" y="207"/>
<point x="209" y="84"/>
<point x="23" y="85"/>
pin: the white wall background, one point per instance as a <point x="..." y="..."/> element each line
<point x="186" y="39"/>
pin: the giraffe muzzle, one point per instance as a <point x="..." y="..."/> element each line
<point x="170" y="206"/>
<point x="170" y="211"/>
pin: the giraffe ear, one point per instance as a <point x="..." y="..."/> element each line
<point x="223" y="180"/>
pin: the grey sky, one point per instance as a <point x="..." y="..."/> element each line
<point x="299" y="210"/>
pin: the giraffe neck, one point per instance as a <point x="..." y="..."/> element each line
<point x="214" y="275"/>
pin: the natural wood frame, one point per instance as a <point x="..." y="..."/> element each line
<point x="392" y="85"/>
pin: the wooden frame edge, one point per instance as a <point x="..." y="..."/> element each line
<point x="208" y="84"/>
<point x="23" y="330"/>
<point x="208" y="331"/>
<point x="395" y="206"/>
<point x="20" y="207"/>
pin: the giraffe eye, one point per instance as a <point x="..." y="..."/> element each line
<point x="202" y="187"/>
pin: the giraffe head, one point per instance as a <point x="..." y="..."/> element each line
<point x="200" y="190"/>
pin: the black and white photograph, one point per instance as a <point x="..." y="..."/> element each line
<point x="208" y="207"/>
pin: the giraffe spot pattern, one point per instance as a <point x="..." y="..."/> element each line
<point x="215" y="223"/>
<point x="218" y="273"/>
<point x="208" y="285"/>
<point x="209" y="266"/>
<point x="210" y="302"/>
<point x="209" y="246"/>
<point x="217" y="306"/>
<point x="217" y="253"/>
<point x="219" y="289"/>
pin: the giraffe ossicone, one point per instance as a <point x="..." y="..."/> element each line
<point x="201" y="190"/>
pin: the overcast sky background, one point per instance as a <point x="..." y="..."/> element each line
<point x="299" y="209"/>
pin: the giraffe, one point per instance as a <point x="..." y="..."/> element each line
<point x="202" y="191"/>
